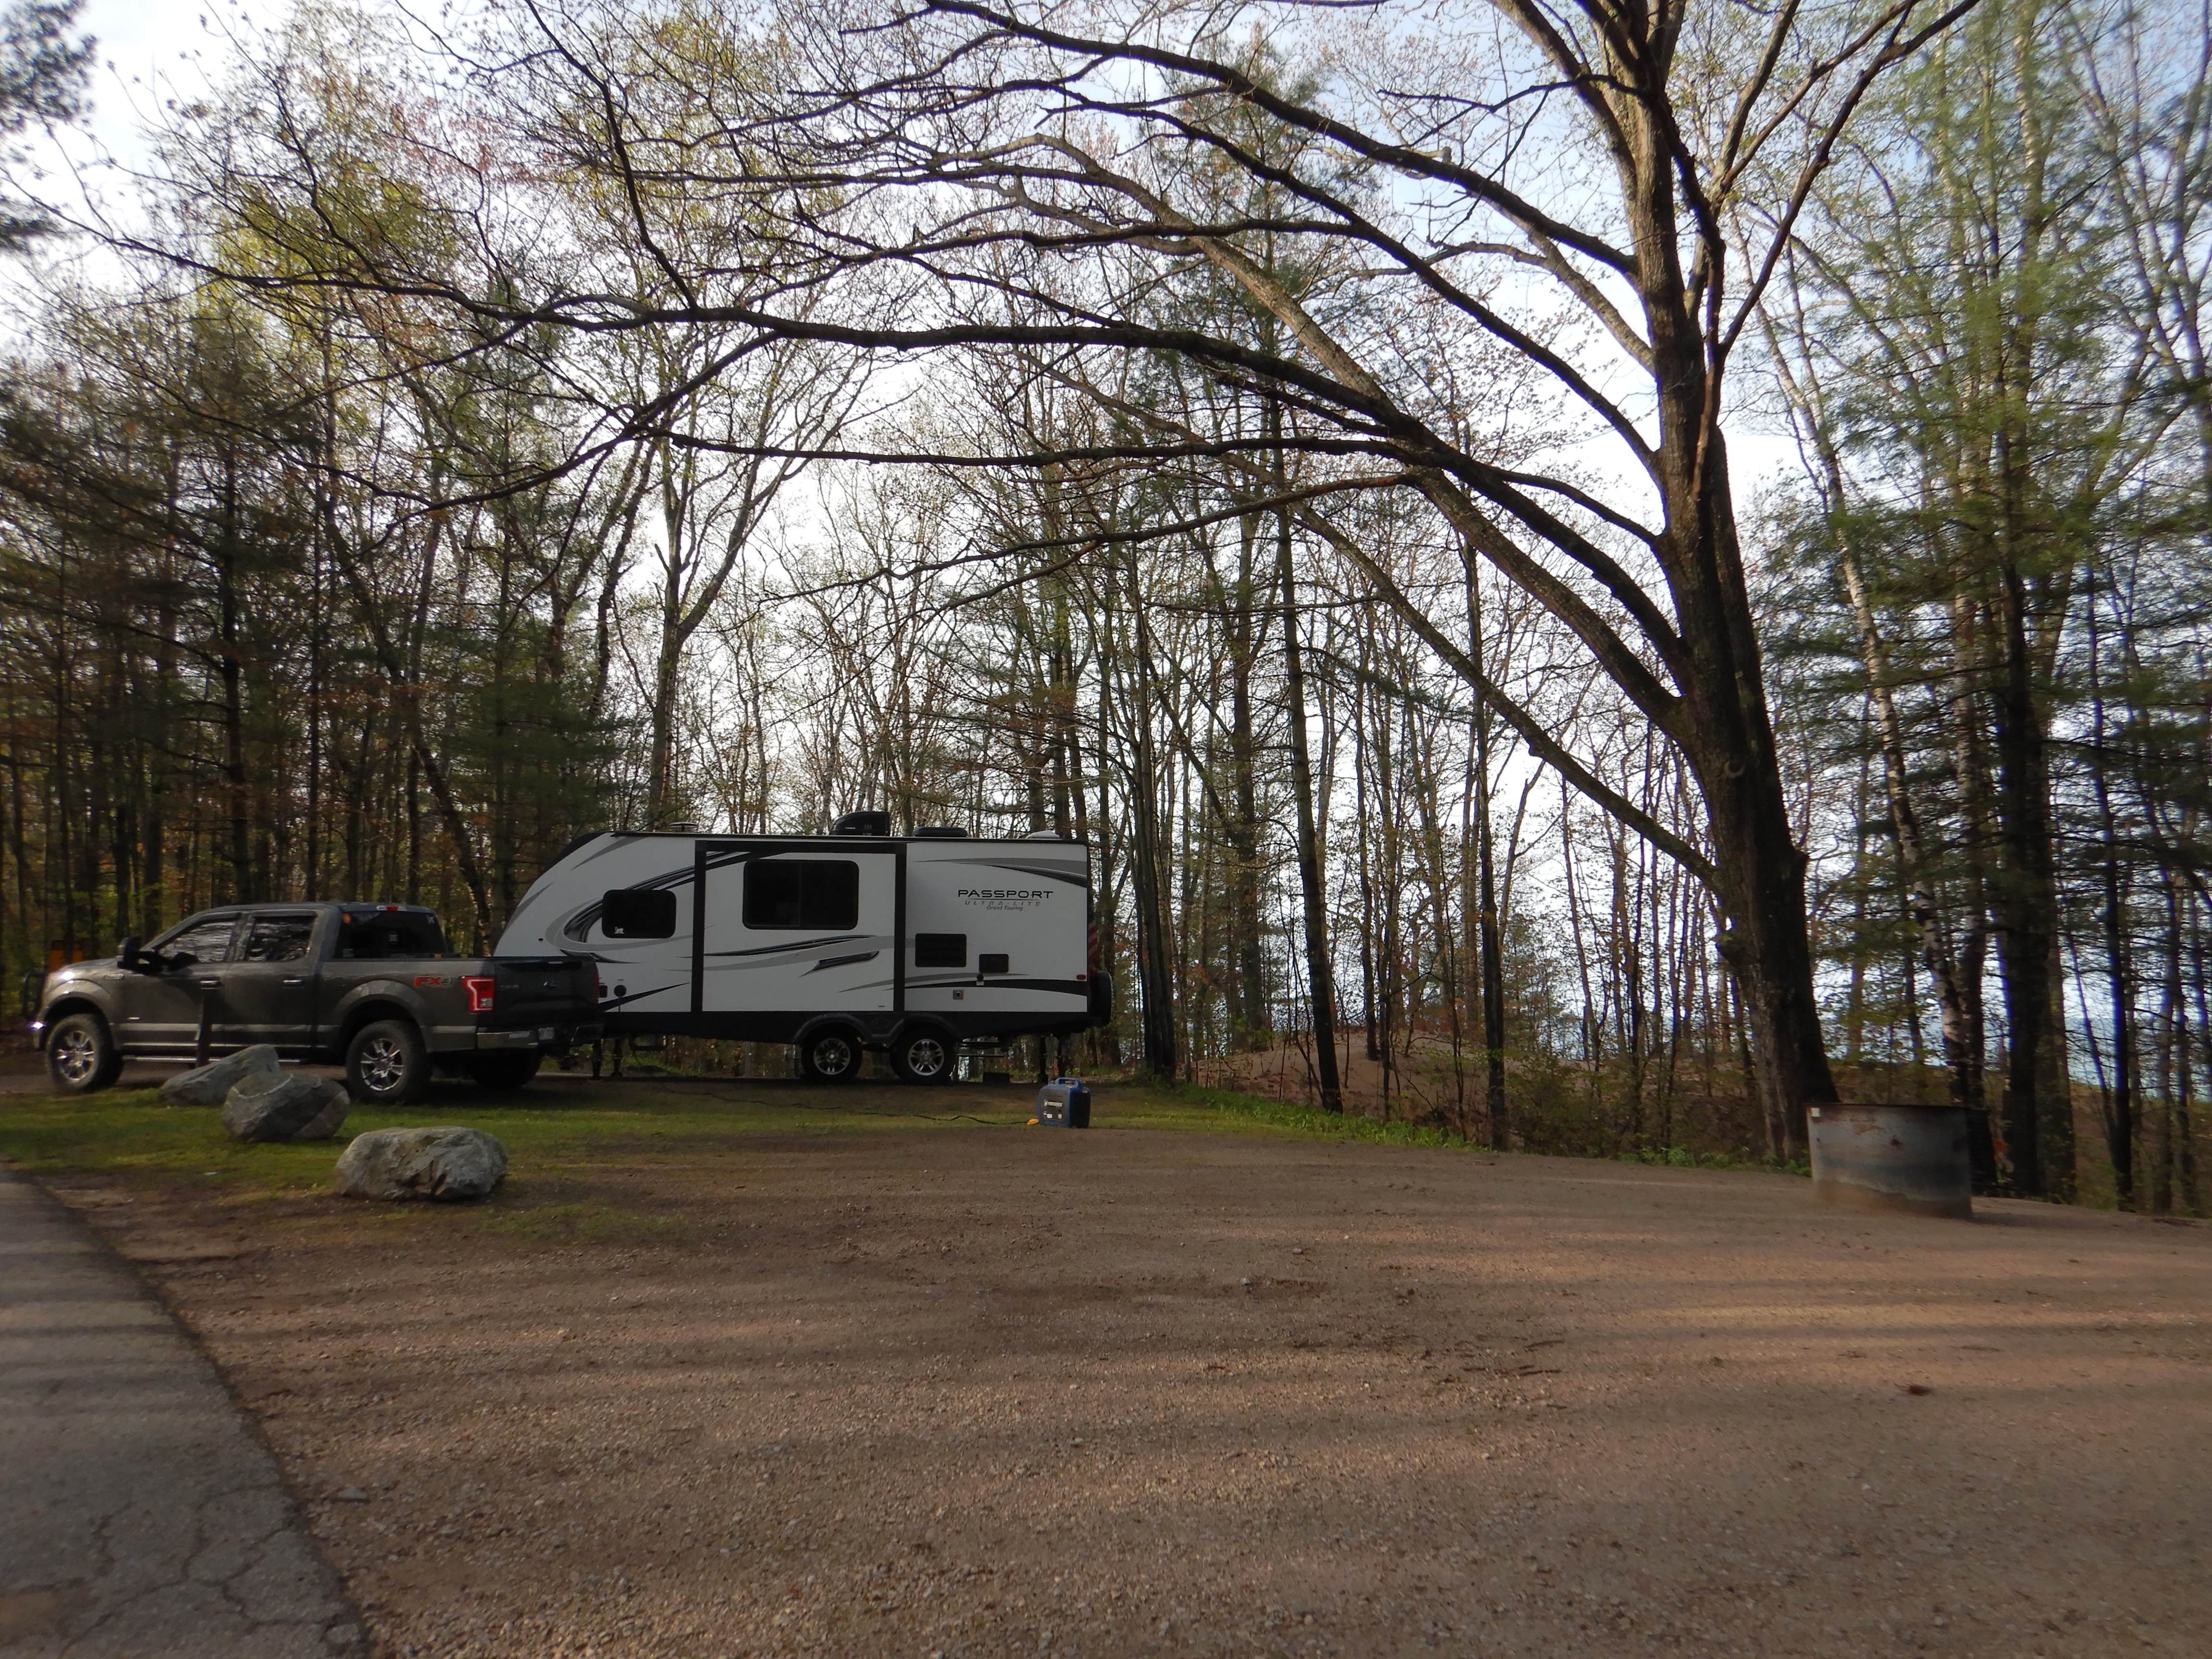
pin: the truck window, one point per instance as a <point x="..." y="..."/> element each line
<point x="819" y="895"/>
<point x="637" y="913"/>
<point x="372" y="935"/>
<point x="205" y="941"/>
<point x="278" y="939"/>
<point x="940" y="950"/>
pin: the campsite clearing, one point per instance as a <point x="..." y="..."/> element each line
<point x="747" y="1369"/>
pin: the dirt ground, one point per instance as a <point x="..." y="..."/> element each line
<point x="984" y="1390"/>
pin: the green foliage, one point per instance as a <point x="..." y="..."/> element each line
<point x="1683" y="1157"/>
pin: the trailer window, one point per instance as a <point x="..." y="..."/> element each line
<point x="818" y="895"/>
<point x="940" y="950"/>
<point x="637" y="913"/>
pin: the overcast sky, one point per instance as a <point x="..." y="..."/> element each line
<point x="145" y="46"/>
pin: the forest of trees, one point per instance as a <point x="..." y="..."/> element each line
<point x="1591" y="575"/>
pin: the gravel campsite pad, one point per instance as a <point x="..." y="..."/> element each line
<point x="970" y="1388"/>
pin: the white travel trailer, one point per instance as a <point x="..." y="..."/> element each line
<point x="836" y="944"/>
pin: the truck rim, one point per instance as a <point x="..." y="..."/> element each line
<point x="383" y="1063"/>
<point x="75" y="1054"/>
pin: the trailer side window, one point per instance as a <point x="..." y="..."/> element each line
<point x="940" y="950"/>
<point x="637" y="913"/>
<point x="818" y="895"/>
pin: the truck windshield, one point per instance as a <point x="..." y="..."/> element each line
<point x="374" y="935"/>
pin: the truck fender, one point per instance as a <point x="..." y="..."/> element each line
<point x="78" y="999"/>
<point x="371" y="1000"/>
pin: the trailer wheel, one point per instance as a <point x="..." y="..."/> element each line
<point x="81" y="1055"/>
<point x="830" y="1056"/>
<point x="385" y="1063"/>
<point x="924" y="1056"/>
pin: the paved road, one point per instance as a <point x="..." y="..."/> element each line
<point x="141" y="1516"/>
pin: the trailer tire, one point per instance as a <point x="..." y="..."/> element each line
<point x="511" y="1070"/>
<point x="924" y="1054"/>
<point x="385" y="1063"/>
<point x="81" y="1053"/>
<point x="831" y="1055"/>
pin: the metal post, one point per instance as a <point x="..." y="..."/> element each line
<point x="207" y="1022"/>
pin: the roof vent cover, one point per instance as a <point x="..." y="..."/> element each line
<point x="863" y="824"/>
<point x="940" y="832"/>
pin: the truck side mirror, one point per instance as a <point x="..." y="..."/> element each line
<point x="126" y="954"/>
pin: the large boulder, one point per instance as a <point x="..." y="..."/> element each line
<point x="210" y="1084"/>
<point x="284" y="1106"/>
<point x="442" y="1164"/>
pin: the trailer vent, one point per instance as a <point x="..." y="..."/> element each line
<point x="863" y="824"/>
<point x="940" y="831"/>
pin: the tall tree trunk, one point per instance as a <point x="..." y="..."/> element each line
<point x="2026" y="892"/>
<point x="231" y="668"/>
<point x="1487" y="928"/>
<point x="1321" y="975"/>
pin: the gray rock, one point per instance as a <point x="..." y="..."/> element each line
<point x="210" y="1084"/>
<point x="284" y="1106"/>
<point x="444" y="1162"/>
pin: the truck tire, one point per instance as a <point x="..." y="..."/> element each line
<point x="385" y="1064"/>
<point x="510" y="1070"/>
<point x="81" y="1055"/>
<point x="830" y="1055"/>
<point x="924" y="1054"/>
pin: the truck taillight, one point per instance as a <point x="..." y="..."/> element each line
<point x="480" y="987"/>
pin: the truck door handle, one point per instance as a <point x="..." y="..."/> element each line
<point x="300" y="978"/>
<point x="210" y="984"/>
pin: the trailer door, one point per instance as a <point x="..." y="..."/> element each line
<point x="797" y="929"/>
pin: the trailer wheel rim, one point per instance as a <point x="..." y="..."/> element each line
<point x="833" y="1056"/>
<point x="925" y="1057"/>
<point x="383" y="1063"/>
<point x="75" y="1054"/>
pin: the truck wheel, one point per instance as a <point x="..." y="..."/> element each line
<point x="385" y="1064"/>
<point x="81" y="1056"/>
<point x="924" y="1056"/>
<point x="830" y="1056"/>
<point x="504" y="1071"/>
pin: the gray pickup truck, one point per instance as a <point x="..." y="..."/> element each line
<point x="370" y="984"/>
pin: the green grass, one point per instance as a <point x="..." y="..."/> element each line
<point x="555" y="1138"/>
<point x="130" y="1133"/>
<point x="1683" y="1158"/>
<point x="1225" y="1111"/>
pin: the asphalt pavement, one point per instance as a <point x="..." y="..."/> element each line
<point x="141" y="1517"/>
